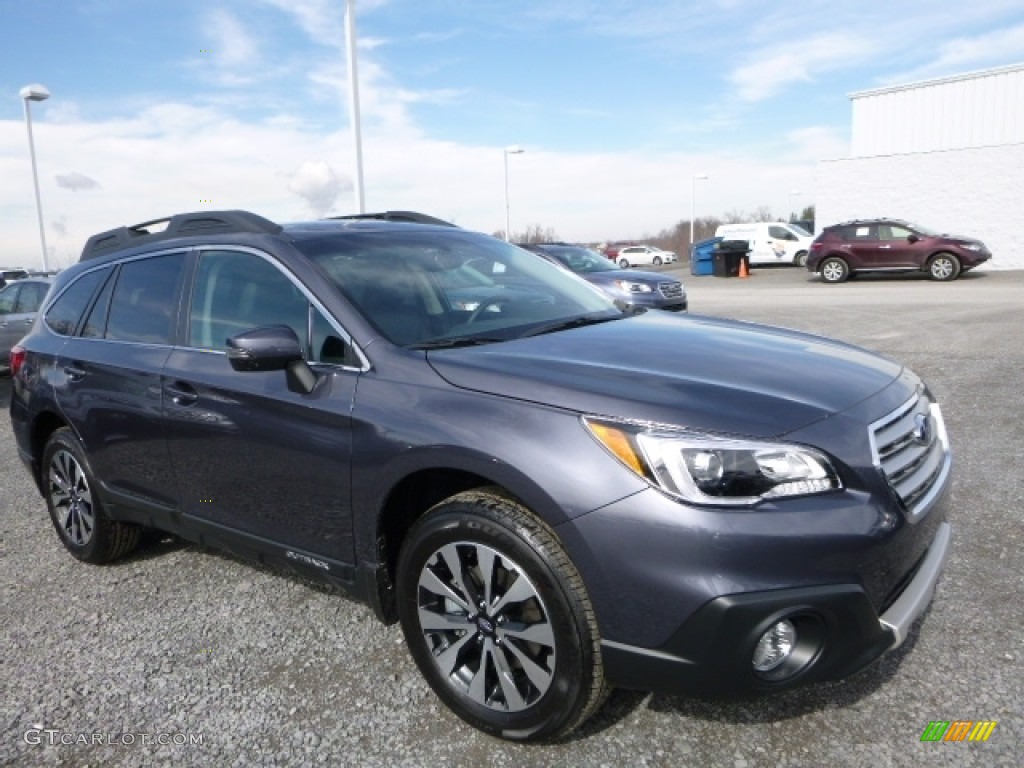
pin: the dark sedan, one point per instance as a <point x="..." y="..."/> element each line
<point x="628" y="287"/>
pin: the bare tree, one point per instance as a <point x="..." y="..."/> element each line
<point x="763" y="213"/>
<point x="535" y="233"/>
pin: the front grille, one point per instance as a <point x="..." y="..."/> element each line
<point x="911" y="450"/>
<point x="671" y="290"/>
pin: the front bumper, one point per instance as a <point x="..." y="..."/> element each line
<point x="838" y="633"/>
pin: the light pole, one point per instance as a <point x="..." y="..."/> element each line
<point x="35" y="92"/>
<point x="793" y="195"/>
<point x="693" y="200"/>
<point x="513" y="150"/>
<point x="353" y="101"/>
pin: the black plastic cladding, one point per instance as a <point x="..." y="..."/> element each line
<point x="181" y="225"/>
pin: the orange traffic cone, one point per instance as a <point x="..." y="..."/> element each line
<point x="744" y="272"/>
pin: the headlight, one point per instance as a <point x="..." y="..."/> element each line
<point x="973" y="246"/>
<point x="707" y="469"/>
<point x="631" y="287"/>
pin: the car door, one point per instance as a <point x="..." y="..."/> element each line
<point x="760" y="244"/>
<point x="864" y="247"/>
<point x="896" y="247"/>
<point x="253" y="458"/>
<point x="780" y="243"/>
<point x="107" y="377"/>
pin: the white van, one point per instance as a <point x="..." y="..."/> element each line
<point x="771" y="242"/>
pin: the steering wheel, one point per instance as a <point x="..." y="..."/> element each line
<point x="483" y="306"/>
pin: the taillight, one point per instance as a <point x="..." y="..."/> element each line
<point x="17" y="359"/>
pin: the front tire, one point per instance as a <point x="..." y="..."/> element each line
<point x="75" y="509"/>
<point x="834" y="270"/>
<point x="497" y="618"/>
<point x="800" y="260"/>
<point x="943" y="267"/>
<point x="656" y="261"/>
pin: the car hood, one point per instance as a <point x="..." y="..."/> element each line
<point x="963" y="239"/>
<point x="633" y="275"/>
<point x="698" y="372"/>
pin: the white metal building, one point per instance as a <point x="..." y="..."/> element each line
<point x="946" y="153"/>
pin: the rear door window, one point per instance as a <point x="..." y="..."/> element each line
<point x="9" y="299"/>
<point x="67" y="310"/>
<point x="144" y="303"/>
<point x="31" y="296"/>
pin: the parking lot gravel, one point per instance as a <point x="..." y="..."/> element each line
<point x="180" y="655"/>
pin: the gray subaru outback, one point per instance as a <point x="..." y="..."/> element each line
<point x="554" y="495"/>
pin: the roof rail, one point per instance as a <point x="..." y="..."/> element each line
<point x="180" y="225"/>
<point x="411" y="216"/>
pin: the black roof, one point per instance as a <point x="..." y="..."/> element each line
<point x="203" y="223"/>
<point x="180" y="225"/>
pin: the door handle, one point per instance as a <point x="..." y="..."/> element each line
<point x="181" y="393"/>
<point x="885" y="246"/>
<point x="74" y="373"/>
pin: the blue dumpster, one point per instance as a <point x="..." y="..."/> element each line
<point x="702" y="256"/>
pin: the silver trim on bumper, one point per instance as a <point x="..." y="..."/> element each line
<point x="918" y="594"/>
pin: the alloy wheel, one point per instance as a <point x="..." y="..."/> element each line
<point x="72" y="499"/>
<point x="486" y="626"/>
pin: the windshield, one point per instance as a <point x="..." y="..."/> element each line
<point x="427" y="287"/>
<point x="928" y="231"/>
<point x="580" y="260"/>
<point x="800" y="230"/>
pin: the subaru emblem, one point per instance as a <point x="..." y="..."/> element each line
<point x="922" y="433"/>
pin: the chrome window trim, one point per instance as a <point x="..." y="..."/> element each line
<point x="364" y="363"/>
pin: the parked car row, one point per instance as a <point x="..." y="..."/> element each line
<point x="629" y="288"/>
<point x="630" y="254"/>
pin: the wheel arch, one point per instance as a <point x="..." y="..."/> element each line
<point x="417" y="491"/>
<point x="43" y="426"/>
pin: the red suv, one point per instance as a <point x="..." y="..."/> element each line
<point x="892" y="245"/>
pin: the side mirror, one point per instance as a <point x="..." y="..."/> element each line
<point x="272" y="348"/>
<point x="912" y="238"/>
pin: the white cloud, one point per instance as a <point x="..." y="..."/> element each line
<point x="174" y="157"/>
<point x="768" y="70"/>
<point x="318" y="184"/>
<point x="76" y="182"/>
<point x="963" y="54"/>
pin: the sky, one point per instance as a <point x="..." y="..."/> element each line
<point x="164" y="106"/>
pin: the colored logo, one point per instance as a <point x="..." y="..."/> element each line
<point x="958" y="730"/>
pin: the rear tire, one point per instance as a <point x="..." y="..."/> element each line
<point x="497" y="618"/>
<point x="624" y="263"/>
<point x="834" y="270"/>
<point x="75" y="509"/>
<point x="943" y="267"/>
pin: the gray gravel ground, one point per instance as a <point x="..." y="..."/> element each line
<point x="179" y="644"/>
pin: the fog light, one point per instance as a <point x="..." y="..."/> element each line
<point x="775" y="646"/>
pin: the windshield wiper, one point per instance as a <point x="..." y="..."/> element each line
<point x="465" y="341"/>
<point x="574" y="322"/>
